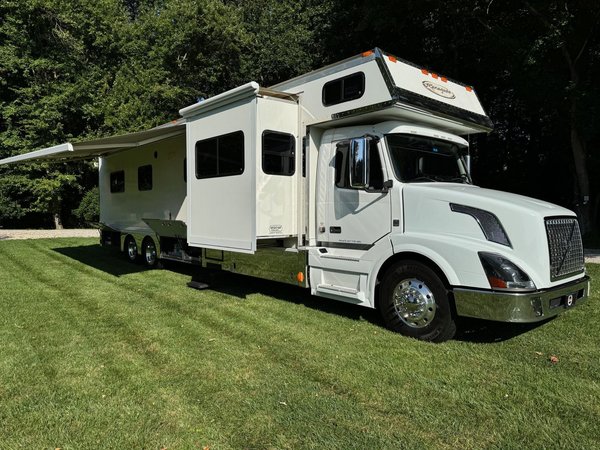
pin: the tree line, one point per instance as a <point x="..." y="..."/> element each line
<point x="76" y="70"/>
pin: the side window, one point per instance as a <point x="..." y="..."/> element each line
<point x="185" y="170"/>
<point x="117" y="181"/>
<point x="278" y="153"/>
<point x="220" y="156"/>
<point x="342" y="170"/>
<point x="344" y="89"/>
<point x="145" y="178"/>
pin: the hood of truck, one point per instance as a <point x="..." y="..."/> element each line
<point x="427" y="211"/>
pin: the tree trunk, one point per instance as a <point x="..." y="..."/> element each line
<point x="57" y="222"/>
<point x="583" y="201"/>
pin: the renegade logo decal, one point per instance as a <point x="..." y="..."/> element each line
<point x="438" y="89"/>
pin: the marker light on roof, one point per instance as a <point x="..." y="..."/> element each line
<point x="367" y="53"/>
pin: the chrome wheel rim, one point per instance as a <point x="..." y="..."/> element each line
<point x="131" y="249"/>
<point x="414" y="303"/>
<point x="150" y="254"/>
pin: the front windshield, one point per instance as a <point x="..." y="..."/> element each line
<point x="420" y="159"/>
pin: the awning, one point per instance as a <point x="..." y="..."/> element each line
<point x="101" y="146"/>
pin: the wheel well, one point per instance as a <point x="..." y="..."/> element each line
<point x="405" y="256"/>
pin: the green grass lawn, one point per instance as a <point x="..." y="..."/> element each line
<point x="98" y="353"/>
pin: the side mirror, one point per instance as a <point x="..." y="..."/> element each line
<point x="468" y="163"/>
<point x="359" y="163"/>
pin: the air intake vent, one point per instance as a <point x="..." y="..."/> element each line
<point x="565" y="247"/>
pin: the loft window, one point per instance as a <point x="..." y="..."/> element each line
<point x="117" y="181"/>
<point x="278" y="153"/>
<point x="145" y="178"/>
<point x="220" y="156"/>
<point x="344" y="89"/>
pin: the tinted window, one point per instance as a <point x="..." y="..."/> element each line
<point x="220" y="156"/>
<point x="278" y="153"/>
<point x="342" y="172"/>
<point x="145" y="178"/>
<point x="117" y="181"/>
<point x="344" y="89"/>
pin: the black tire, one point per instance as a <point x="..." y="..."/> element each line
<point x="414" y="302"/>
<point x="130" y="248"/>
<point x="149" y="253"/>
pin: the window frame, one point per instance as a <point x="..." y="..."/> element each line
<point x="292" y="150"/>
<point x="341" y="177"/>
<point x="218" y="174"/>
<point x="145" y="188"/>
<point x="342" y="80"/>
<point x="112" y="185"/>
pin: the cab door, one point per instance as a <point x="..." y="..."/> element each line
<point x="359" y="204"/>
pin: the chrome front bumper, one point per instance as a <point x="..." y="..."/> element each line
<point x="520" y="307"/>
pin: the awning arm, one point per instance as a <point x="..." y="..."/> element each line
<point x="43" y="153"/>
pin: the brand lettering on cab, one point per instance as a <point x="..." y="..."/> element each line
<point x="438" y="89"/>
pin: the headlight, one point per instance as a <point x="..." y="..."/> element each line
<point x="488" y="222"/>
<point x="503" y="274"/>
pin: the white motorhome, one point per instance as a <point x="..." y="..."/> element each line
<point x="352" y="181"/>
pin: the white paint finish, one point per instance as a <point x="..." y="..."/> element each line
<point x="102" y="146"/>
<point x="166" y="200"/>
<point x="413" y="79"/>
<point x="221" y="100"/>
<point x="45" y="153"/>
<point x="428" y="214"/>
<point x="276" y="195"/>
<point x="376" y="91"/>
<point x="222" y="210"/>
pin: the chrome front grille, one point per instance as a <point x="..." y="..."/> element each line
<point x="565" y="247"/>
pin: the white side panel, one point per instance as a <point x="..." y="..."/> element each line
<point x="166" y="199"/>
<point x="433" y="86"/>
<point x="276" y="195"/>
<point x="376" y="91"/>
<point x="222" y="210"/>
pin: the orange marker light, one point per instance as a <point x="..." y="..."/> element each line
<point x="469" y="89"/>
<point x="434" y="75"/>
<point x="444" y="79"/>
<point x="424" y="71"/>
<point x="392" y="58"/>
<point x="367" y="53"/>
<point x="300" y="277"/>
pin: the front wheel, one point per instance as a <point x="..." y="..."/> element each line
<point x="414" y="302"/>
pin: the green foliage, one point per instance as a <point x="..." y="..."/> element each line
<point x="71" y="71"/>
<point x="88" y="210"/>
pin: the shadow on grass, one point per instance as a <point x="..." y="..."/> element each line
<point x="487" y="331"/>
<point x="111" y="261"/>
<point x="106" y="259"/>
<point x="241" y="286"/>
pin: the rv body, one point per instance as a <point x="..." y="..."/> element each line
<point x="352" y="181"/>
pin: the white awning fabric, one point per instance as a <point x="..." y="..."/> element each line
<point x="101" y="146"/>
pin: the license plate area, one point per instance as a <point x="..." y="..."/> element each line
<point x="569" y="300"/>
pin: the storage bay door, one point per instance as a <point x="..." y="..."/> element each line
<point x="221" y="178"/>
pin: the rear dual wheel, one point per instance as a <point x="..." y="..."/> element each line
<point x="149" y="253"/>
<point x="415" y="303"/>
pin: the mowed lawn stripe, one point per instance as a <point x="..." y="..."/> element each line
<point x="120" y="357"/>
